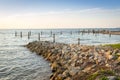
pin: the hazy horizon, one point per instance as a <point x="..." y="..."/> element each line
<point x="54" y="14"/>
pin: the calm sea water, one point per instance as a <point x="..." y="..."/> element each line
<point x="67" y="37"/>
<point x="18" y="63"/>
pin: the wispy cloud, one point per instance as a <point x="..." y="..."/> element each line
<point x="70" y="11"/>
<point x="67" y="17"/>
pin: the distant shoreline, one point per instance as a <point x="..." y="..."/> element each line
<point x="112" y="33"/>
<point x="58" y="28"/>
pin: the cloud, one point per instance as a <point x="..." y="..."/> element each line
<point x="70" y="11"/>
<point x="67" y="17"/>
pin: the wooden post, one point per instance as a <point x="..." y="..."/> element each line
<point x="51" y="33"/>
<point x="15" y="33"/>
<point x="71" y="32"/>
<point x="41" y="32"/>
<point x="61" y="32"/>
<point x="53" y="38"/>
<point x="93" y="31"/>
<point x="98" y="31"/>
<point x="29" y="35"/>
<point x="109" y="34"/>
<point x="21" y="34"/>
<point x="78" y="41"/>
<point x="39" y="36"/>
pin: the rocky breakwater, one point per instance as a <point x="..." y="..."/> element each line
<point x="79" y="62"/>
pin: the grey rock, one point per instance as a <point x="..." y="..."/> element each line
<point x="112" y="77"/>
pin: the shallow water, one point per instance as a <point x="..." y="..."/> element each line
<point x="18" y="63"/>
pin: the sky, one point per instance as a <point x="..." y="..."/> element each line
<point x="47" y="14"/>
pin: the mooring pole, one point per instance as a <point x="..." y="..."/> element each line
<point x="109" y="34"/>
<point x="41" y="33"/>
<point x="15" y="33"/>
<point x="21" y="34"/>
<point x="53" y="38"/>
<point x="29" y="35"/>
<point x="78" y="41"/>
<point x="61" y="32"/>
<point x="51" y="33"/>
<point x="71" y="32"/>
<point x="39" y="36"/>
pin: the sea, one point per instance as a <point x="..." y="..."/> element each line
<point x="18" y="63"/>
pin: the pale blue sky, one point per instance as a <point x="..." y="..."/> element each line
<point x="59" y="13"/>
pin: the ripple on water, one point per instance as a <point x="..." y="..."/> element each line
<point x="20" y="64"/>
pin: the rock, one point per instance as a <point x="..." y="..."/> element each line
<point x="91" y="59"/>
<point x="86" y="70"/>
<point x="93" y="66"/>
<point x="73" y="62"/>
<point x="95" y="58"/>
<point x="99" y="59"/>
<point x="102" y="63"/>
<point x="107" y="65"/>
<point x="73" y="71"/>
<point x="84" y="65"/>
<point x="56" y="51"/>
<point x="68" y="78"/>
<point x="96" y="54"/>
<point x="109" y="56"/>
<point x="53" y="76"/>
<point x="118" y="54"/>
<point x="82" y="54"/>
<point x="81" y="61"/>
<point x="115" y="51"/>
<point x="102" y="51"/>
<point x="112" y="77"/>
<point x="48" y="56"/>
<point x="85" y="49"/>
<point x="59" y="77"/>
<point x="65" y="73"/>
<point x="118" y="59"/>
<point x="54" y="66"/>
